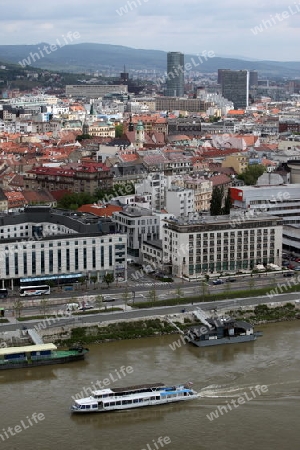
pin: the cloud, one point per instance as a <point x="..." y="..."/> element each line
<point x="224" y="27"/>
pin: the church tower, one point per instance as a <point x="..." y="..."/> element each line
<point x="139" y="135"/>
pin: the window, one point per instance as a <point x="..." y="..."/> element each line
<point x="42" y="261"/>
<point x="84" y="258"/>
<point x="33" y="263"/>
<point x="25" y="263"/>
<point x="76" y="259"/>
<point x="50" y="260"/>
<point x="68" y="259"/>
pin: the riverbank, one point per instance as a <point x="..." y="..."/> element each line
<point x="162" y="325"/>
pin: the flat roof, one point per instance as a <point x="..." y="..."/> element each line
<point x="26" y="349"/>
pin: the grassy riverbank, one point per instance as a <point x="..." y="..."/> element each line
<point x="160" y="326"/>
<point x="265" y="314"/>
<point x="117" y="331"/>
<point x="227" y="295"/>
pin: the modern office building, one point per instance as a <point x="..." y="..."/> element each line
<point x="181" y="104"/>
<point x="253" y="78"/>
<point x="281" y="201"/>
<point x="139" y="224"/>
<point x="215" y="244"/>
<point x="41" y="245"/>
<point x="94" y="90"/>
<point x="235" y="87"/>
<point x="175" y="74"/>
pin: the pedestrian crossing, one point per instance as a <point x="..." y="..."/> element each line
<point x="158" y="283"/>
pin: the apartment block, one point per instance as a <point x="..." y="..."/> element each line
<point x="42" y="244"/>
<point x="219" y="244"/>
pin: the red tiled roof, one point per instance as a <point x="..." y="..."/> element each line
<point x="218" y="180"/>
<point x="105" y="211"/>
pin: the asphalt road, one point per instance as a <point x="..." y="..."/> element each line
<point x="166" y="310"/>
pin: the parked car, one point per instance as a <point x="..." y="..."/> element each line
<point x="72" y="306"/>
<point x="85" y="307"/>
<point x="218" y="281"/>
<point x="296" y="268"/>
<point x="288" y="273"/>
<point x="230" y="280"/>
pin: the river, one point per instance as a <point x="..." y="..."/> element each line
<point x="266" y="418"/>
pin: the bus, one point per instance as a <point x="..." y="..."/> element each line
<point x="26" y="291"/>
<point x="3" y="293"/>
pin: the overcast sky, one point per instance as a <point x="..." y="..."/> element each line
<point x="225" y="27"/>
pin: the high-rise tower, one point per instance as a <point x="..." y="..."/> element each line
<point x="235" y="87"/>
<point x="175" y="74"/>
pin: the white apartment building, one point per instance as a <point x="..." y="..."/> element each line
<point x="140" y="225"/>
<point x="180" y="201"/>
<point x="217" y="244"/>
<point x="155" y="184"/>
<point x="41" y="245"/>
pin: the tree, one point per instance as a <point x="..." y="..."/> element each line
<point x="119" y="130"/>
<point x="179" y="292"/>
<point x="251" y="174"/>
<point x="227" y="287"/>
<point x="108" y="278"/>
<point x="204" y="288"/>
<point x="82" y="281"/>
<point x="99" y="301"/>
<point x="81" y="137"/>
<point x="216" y="201"/>
<point x="152" y="295"/>
<point x="43" y="306"/>
<point x="251" y="282"/>
<point x="17" y="307"/>
<point x="227" y="204"/>
<point x="94" y="279"/>
<point x="126" y="295"/>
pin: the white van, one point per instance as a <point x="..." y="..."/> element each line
<point x="72" y="306"/>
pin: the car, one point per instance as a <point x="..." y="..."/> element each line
<point x="72" y="306"/>
<point x="85" y="307"/>
<point x="285" y="263"/>
<point x="109" y="299"/>
<point x="296" y="268"/>
<point x="218" y="281"/>
<point x="288" y="273"/>
<point x="230" y="280"/>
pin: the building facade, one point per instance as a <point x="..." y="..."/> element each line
<point x="84" y="178"/>
<point x="175" y="74"/>
<point x="41" y="244"/>
<point x="140" y="225"/>
<point x="94" y="90"/>
<point x="180" y="201"/>
<point x="218" y="244"/>
<point x="235" y="87"/>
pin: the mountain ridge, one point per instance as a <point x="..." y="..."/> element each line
<point x="93" y="56"/>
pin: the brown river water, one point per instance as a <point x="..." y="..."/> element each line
<point x="35" y="403"/>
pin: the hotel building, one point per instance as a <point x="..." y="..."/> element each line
<point x="217" y="244"/>
<point x="41" y="245"/>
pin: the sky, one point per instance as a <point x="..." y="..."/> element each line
<point x="255" y="29"/>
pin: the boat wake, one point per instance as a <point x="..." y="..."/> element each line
<point x="217" y="391"/>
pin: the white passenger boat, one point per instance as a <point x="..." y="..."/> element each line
<point x="105" y="400"/>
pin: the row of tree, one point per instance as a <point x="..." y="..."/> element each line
<point x="74" y="200"/>
<point x="220" y="205"/>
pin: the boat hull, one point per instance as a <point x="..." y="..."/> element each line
<point x="134" y="406"/>
<point x="224" y="340"/>
<point x="42" y="362"/>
